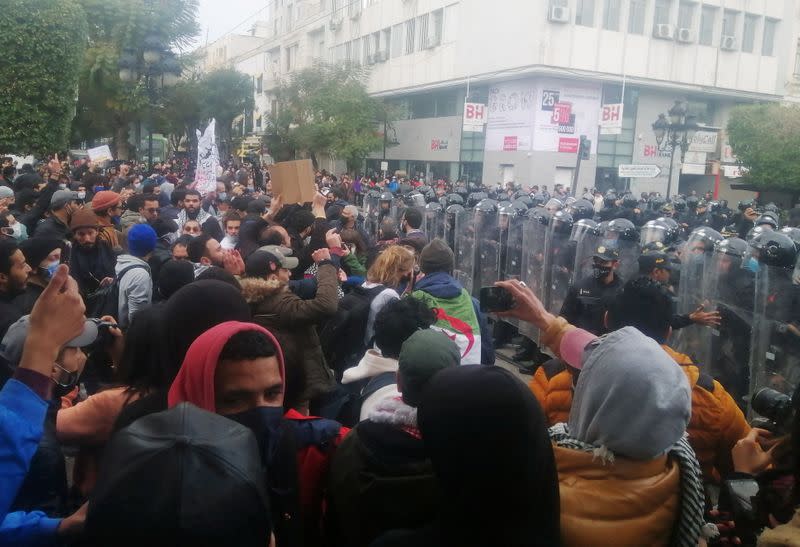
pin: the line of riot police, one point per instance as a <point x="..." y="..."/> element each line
<point x="738" y="268"/>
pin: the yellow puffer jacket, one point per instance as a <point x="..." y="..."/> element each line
<point x="715" y="426"/>
<point x="627" y="503"/>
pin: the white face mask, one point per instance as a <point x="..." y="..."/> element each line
<point x="81" y="195"/>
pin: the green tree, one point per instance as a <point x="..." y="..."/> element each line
<point x="766" y="138"/>
<point x="326" y="109"/>
<point x="225" y="95"/>
<point x="42" y="53"/>
<point x="182" y="113"/>
<point x="106" y="106"/>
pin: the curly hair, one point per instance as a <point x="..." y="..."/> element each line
<point x="389" y="267"/>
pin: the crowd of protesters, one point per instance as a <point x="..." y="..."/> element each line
<point x="230" y="369"/>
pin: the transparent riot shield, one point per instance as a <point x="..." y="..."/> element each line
<point x="695" y="259"/>
<point x="451" y="216"/>
<point x="621" y="234"/>
<point x="775" y="344"/>
<point x="586" y="238"/>
<point x="559" y="261"/>
<point x="371" y="212"/>
<point x="729" y="289"/>
<point x="464" y="270"/>
<point x="511" y="228"/>
<point x="487" y="242"/>
<point x="534" y="240"/>
<point x="433" y="221"/>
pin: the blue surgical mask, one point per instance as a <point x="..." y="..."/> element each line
<point x="752" y="264"/>
<point x="50" y="270"/>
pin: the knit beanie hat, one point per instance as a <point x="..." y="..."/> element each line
<point x="104" y="200"/>
<point x="37" y="249"/>
<point x="141" y="240"/>
<point x="425" y="353"/>
<point x="436" y="257"/>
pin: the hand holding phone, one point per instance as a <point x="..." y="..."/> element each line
<point x="495" y="299"/>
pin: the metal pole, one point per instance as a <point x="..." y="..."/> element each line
<point x="671" y="164"/>
<point x="150" y="125"/>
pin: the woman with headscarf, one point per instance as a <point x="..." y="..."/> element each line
<point x="237" y="369"/>
<point x="494" y="462"/>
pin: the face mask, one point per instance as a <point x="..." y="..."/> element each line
<point x="50" y="270"/>
<point x="752" y="264"/>
<point x="65" y="379"/>
<point x="98" y="189"/>
<point x="222" y="196"/>
<point x="601" y="272"/>
<point x="81" y="195"/>
<point x="62" y="186"/>
<point x="264" y="422"/>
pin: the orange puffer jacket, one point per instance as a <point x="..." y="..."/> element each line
<point x="715" y="426"/>
<point x="625" y="503"/>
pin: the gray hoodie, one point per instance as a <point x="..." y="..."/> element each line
<point x="631" y="397"/>
<point x="135" y="287"/>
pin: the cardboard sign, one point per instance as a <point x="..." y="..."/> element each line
<point x="100" y="154"/>
<point x="294" y="180"/>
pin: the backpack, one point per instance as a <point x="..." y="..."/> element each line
<point x="105" y="300"/>
<point x="342" y="337"/>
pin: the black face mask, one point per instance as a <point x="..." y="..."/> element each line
<point x="265" y="423"/>
<point x="601" y="272"/>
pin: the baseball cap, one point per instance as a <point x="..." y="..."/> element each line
<point x="276" y="250"/>
<point x="606" y="253"/>
<point x="6" y="192"/>
<point x="62" y="197"/>
<point x="211" y="486"/>
<point x="656" y="259"/>
<point x="263" y="263"/>
<point x="14" y="340"/>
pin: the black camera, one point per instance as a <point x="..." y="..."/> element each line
<point x="776" y="408"/>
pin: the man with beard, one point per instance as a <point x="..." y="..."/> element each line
<point x="205" y="252"/>
<point x="107" y="205"/>
<point x="62" y="207"/>
<point x="13" y="280"/>
<point x="92" y="261"/>
<point x="193" y="210"/>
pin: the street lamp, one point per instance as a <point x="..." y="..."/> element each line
<point x="160" y="69"/>
<point x="674" y="133"/>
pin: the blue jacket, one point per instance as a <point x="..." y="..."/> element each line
<point x="22" y="414"/>
<point x="443" y="285"/>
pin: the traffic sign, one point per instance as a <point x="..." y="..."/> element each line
<point x="633" y="171"/>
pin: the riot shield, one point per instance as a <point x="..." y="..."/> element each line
<point x="695" y="259"/>
<point x="775" y="341"/>
<point x="464" y="234"/>
<point x="433" y="221"/>
<point x="587" y="239"/>
<point x="487" y="246"/>
<point x="621" y="234"/>
<point x="729" y="289"/>
<point x="371" y="213"/>
<point x="534" y="240"/>
<point x="559" y="261"/>
<point x="511" y="246"/>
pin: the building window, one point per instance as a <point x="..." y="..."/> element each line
<point x="749" y="34"/>
<point x="584" y="14"/>
<point x="768" y="43"/>
<point x="611" y="15"/>
<point x="436" y="25"/>
<point x="729" y="20"/>
<point x="661" y="14"/>
<point x="410" y="33"/>
<point x="685" y="14"/>
<point x="707" y="18"/>
<point x="260" y="84"/>
<point x="396" y="49"/>
<point x="636" y="16"/>
<point x="422" y="31"/>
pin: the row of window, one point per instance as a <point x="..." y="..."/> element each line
<point x="733" y="36"/>
<point x="416" y="34"/>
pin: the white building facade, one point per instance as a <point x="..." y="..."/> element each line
<point x="544" y="69"/>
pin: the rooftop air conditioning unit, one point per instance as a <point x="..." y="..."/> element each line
<point x="335" y="24"/>
<point x="728" y="43"/>
<point x="381" y="56"/>
<point x="664" y="32"/>
<point x="559" y="14"/>
<point x="685" y="35"/>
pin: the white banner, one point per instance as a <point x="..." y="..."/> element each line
<point x="205" y="178"/>
<point x="704" y="141"/>
<point x="611" y="119"/>
<point x="475" y="116"/>
<point x="100" y="154"/>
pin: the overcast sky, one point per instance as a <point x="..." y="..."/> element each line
<point x="218" y="17"/>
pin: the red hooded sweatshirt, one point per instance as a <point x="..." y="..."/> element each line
<point x="195" y="384"/>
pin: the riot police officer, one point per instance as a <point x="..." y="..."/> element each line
<point x="589" y="298"/>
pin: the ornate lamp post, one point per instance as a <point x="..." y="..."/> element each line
<point x="674" y="133"/>
<point x="157" y="66"/>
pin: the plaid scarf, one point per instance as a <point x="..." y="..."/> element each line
<point x="690" y="525"/>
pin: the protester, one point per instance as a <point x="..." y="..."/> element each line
<point x="457" y="313"/>
<point x="107" y="206"/>
<point x="222" y="501"/>
<point x="56" y="226"/>
<point x="14" y="271"/>
<point x="193" y="211"/>
<point x="92" y="260"/>
<point x="381" y="477"/>
<point x="387" y="279"/>
<point x="133" y="273"/>
<point x="294" y="320"/>
<point x="493" y="461"/>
